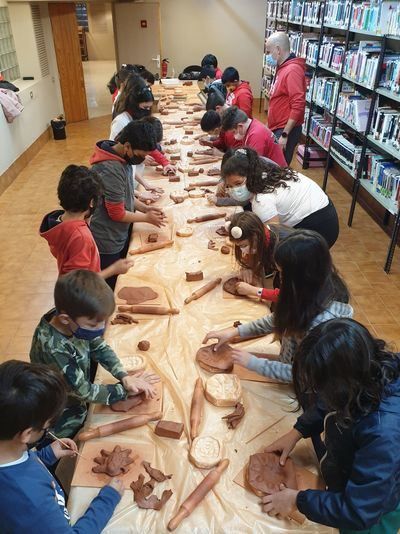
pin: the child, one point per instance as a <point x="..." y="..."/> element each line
<point x="211" y="124"/>
<point x="239" y="92"/>
<point x="70" y="336"/>
<point x="311" y="293"/>
<point x="356" y="379"/>
<point x="253" y="134"/>
<point x="31" y="397"/>
<point x="279" y="196"/>
<point x="254" y="246"/>
<point x="67" y="231"/>
<point x="111" y="222"/>
<point x="208" y="77"/>
<point x="211" y="61"/>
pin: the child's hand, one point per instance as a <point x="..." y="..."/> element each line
<point x="246" y="275"/>
<point x="69" y="449"/>
<point x="241" y="357"/>
<point x="155" y="217"/>
<point x="148" y="196"/>
<point x="158" y="190"/>
<point x="285" y="445"/>
<point x="141" y="382"/>
<point x="169" y="168"/>
<point x="221" y="190"/>
<point x="123" y="265"/>
<point x="198" y="107"/>
<point x="222" y="335"/>
<point x="211" y="199"/>
<point x="118" y="485"/>
<point x="246" y="289"/>
<point x="281" y="503"/>
<point x="204" y="142"/>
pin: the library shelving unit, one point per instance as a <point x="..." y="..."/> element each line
<point x="353" y="100"/>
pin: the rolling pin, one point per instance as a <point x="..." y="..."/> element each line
<point x="153" y="310"/>
<point x="151" y="246"/>
<point x="197" y="495"/>
<point x="204" y="160"/>
<point x="118" y="426"/>
<point x="208" y="217"/>
<point x="196" y="408"/>
<point x="204" y="183"/>
<point x="203" y="290"/>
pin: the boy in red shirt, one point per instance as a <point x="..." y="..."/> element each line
<point x="239" y="91"/>
<point x="212" y="61"/>
<point x="67" y="231"/>
<point x="253" y="134"/>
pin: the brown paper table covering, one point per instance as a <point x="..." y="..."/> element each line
<point x="174" y="342"/>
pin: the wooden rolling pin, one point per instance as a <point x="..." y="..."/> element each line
<point x="151" y="246"/>
<point x="208" y="217"/>
<point x="196" y="408"/>
<point x="118" y="426"/>
<point x="204" y="183"/>
<point x="203" y="290"/>
<point x="205" y="161"/>
<point x="197" y="495"/>
<point x="152" y="310"/>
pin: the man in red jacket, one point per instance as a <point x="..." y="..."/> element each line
<point x="239" y="92"/>
<point x="253" y="134"/>
<point x="287" y="97"/>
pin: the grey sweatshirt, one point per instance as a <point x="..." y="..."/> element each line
<point x="282" y="370"/>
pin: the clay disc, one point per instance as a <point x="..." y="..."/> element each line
<point x="230" y="286"/>
<point x="264" y="474"/>
<point x="137" y="295"/>
<point x="219" y="361"/>
<point x="130" y="402"/>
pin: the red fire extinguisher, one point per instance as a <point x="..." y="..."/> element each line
<point x="164" y="68"/>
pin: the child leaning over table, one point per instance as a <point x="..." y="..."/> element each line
<point x="355" y="382"/>
<point x="69" y="338"/>
<point x="32" y="396"/>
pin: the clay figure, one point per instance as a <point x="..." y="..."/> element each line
<point x="211" y="245"/>
<point x="113" y="463"/>
<point x="124" y="318"/>
<point x="137" y="295"/>
<point x="234" y="418"/>
<point x="144" y="345"/>
<point x="264" y="474"/>
<point x="219" y="361"/>
<point x="156" y="474"/>
<point x="142" y="491"/>
<point x="225" y="249"/>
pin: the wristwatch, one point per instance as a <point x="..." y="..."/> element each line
<point x="259" y="292"/>
<point x="284" y="135"/>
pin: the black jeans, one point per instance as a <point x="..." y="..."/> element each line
<point x="324" y="221"/>
<point x="292" y="141"/>
<point x="108" y="259"/>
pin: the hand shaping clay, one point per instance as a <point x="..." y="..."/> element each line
<point x="222" y="231"/>
<point x="219" y="361"/>
<point x="133" y="363"/>
<point x="264" y="474"/>
<point x="169" y="429"/>
<point x="230" y="285"/>
<point x="129" y="403"/>
<point x="205" y="452"/>
<point x="195" y="276"/>
<point x="225" y="249"/>
<point x="144" y="345"/>
<point x="113" y="463"/>
<point x="137" y="295"/>
<point x="223" y="390"/>
<point x="234" y="418"/>
<point x="152" y="238"/>
<point x="185" y="231"/>
<point x="159" y="168"/>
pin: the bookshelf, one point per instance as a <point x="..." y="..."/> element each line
<point x="352" y="53"/>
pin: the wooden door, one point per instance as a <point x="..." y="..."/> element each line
<point x="66" y="43"/>
<point x="137" y="34"/>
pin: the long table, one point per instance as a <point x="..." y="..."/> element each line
<point x="174" y="341"/>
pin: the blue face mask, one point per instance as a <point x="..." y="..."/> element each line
<point x="240" y="193"/>
<point x="270" y="61"/>
<point x="87" y="333"/>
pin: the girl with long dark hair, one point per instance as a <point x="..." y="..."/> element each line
<point x="279" y="195"/>
<point x="355" y="379"/>
<point x="311" y="292"/>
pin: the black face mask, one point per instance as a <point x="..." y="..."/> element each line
<point x="134" y="160"/>
<point x="139" y="113"/>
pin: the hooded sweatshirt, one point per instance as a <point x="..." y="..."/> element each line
<point x="262" y="140"/>
<point x="71" y="243"/>
<point x="287" y="97"/>
<point x="282" y="370"/>
<point x="109" y="232"/>
<point x="242" y="97"/>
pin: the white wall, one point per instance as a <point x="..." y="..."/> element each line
<point x="100" y="38"/>
<point x="41" y="97"/>
<point x="232" y="30"/>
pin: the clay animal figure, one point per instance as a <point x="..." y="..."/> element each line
<point x="234" y="418"/>
<point x="142" y="491"/>
<point x="113" y="463"/>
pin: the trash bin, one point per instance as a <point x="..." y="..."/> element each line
<point x="58" y="127"/>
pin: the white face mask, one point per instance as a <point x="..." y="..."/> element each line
<point x="245" y="250"/>
<point x="240" y="193"/>
<point x="238" y="136"/>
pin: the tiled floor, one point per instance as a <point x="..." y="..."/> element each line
<point x="28" y="272"/>
<point x="97" y="74"/>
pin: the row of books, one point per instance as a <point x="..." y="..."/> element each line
<point x="385" y="126"/>
<point x="321" y="129"/>
<point x="347" y="148"/>
<point x="361" y="62"/>
<point x="299" y="42"/>
<point x="324" y="91"/>
<point x="390" y="73"/>
<point x="278" y="9"/>
<point x="354" y="109"/>
<point x="332" y="53"/>
<point x="384" y="175"/>
<point x="394" y="22"/>
<point x="338" y="13"/>
<point x="306" y="12"/>
<point x="375" y="16"/>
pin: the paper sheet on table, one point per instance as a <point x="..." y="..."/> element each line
<point x="174" y="342"/>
